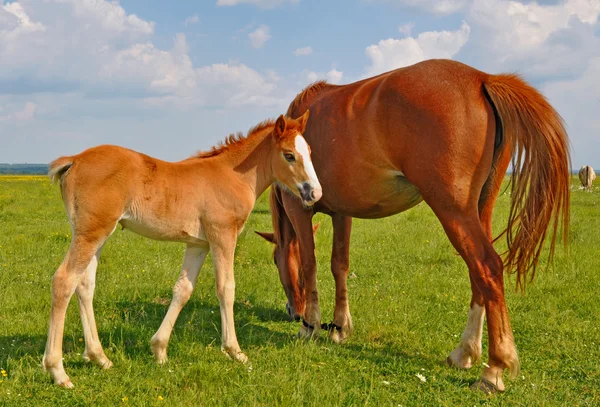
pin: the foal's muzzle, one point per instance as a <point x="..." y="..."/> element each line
<point x="309" y="194"/>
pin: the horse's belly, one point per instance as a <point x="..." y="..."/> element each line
<point x="386" y="199"/>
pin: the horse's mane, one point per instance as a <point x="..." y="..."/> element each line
<point x="236" y="140"/>
<point x="309" y="91"/>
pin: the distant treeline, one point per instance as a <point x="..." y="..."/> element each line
<point x="23" y="169"/>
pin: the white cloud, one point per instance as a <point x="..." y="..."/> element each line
<point x="443" y="7"/>
<point x="258" y="3"/>
<point x="396" y="53"/>
<point x="334" y="76"/>
<point x="110" y="15"/>
<point x="546" y="40"/>
<point x="259" y="36"/>
<point x="24" y="114"/>
<point x="578" y="101"/>
<point x="303" y="51"/>
<point x="406" y="29"/>
<point x="94" y="48"/>
<point x="191" y="20"/>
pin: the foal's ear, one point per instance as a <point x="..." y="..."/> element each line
<point x="302" y="120"/>
<point x="280" y="125"/>
<point x="269" y="237"/>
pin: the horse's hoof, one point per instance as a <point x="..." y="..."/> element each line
<point x="338" y="337"/>
<point x="291" y="312"/>
<point x="485" y="386"/>
<point x="307" y="333"/>
<point x="459" y="362"/>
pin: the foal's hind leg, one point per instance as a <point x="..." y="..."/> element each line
<point x="223" y="250"/>
<point x="65" y="281"/>
<point x="192" y="263"/>
<point x="85" y="295"/>
<point x="340" y="261"/>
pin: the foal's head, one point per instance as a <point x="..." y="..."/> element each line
<point x="291" y="162"/>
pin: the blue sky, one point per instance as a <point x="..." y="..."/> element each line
<point x="169" y="78"/>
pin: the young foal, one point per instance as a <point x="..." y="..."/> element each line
<point x="442" y="132"/>
<point x="203" y="201"/>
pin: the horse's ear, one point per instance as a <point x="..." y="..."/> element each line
<point x="302" y="120"/>
<point x="316" y="227"/>
<point x="280" y="125"/>
<point x="269" y="237"/>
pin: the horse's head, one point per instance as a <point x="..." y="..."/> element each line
<point x="286" y="256"/>
<point x="291" y="162"/>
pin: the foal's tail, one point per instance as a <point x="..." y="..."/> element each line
<point x="59" y="167"/>
<point x="537" y="137"/>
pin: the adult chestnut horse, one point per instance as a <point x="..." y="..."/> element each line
<point x="203" y="201"/>
<point x="442" y="132"/>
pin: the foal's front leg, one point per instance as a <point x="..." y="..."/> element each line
<point x="222" y="254"/>
<point x="192" y="263"/>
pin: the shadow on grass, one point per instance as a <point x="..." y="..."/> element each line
<point x="134" y="322"/>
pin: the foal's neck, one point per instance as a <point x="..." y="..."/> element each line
<point x="251" y="160"/>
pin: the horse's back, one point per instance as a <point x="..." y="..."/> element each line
<point x="379" y="141"/>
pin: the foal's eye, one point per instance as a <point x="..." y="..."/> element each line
<point x="289" y="157"/>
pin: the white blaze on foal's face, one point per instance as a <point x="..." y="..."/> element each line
<point x="311" y="183"/>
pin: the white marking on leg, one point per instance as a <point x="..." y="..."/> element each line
<point x="469" y="349"/>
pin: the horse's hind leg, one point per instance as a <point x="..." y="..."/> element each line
<point x="469" y="349"/>
<point x="81" y="253"/>
<point x="466" y="233"/>
<point x="85" y="295"/>
<point x="340" y="261"/>
<point x="182" y="291"/>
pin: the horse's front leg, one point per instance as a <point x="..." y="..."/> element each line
<point x="341" y="327"/>
<point x="222" y="254"/>
<point x="301" y="219"/>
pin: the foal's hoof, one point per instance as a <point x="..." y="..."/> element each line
<point x="66" y="384"/>
<point x="238" y="356"/>
<point x="101" y="361"/>
<point x="485" y="386"/>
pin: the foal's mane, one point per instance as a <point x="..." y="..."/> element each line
<point x="236" y="140"/>
<point x="308" y="92"/>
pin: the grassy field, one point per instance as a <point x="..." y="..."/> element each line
<point x="409" y="303"/>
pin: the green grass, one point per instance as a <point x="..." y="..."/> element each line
<point x="409" y="303"/>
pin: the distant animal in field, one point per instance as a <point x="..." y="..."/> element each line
<point x="202" y="201"/>
<point x="442" y="132"/>
<point x="587" y="177"/>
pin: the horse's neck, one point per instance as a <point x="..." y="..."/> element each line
<point x="251" y="162"/>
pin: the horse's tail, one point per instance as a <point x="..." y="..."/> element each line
<point x="59" y="167"/>
<point x="536" y="135"/>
